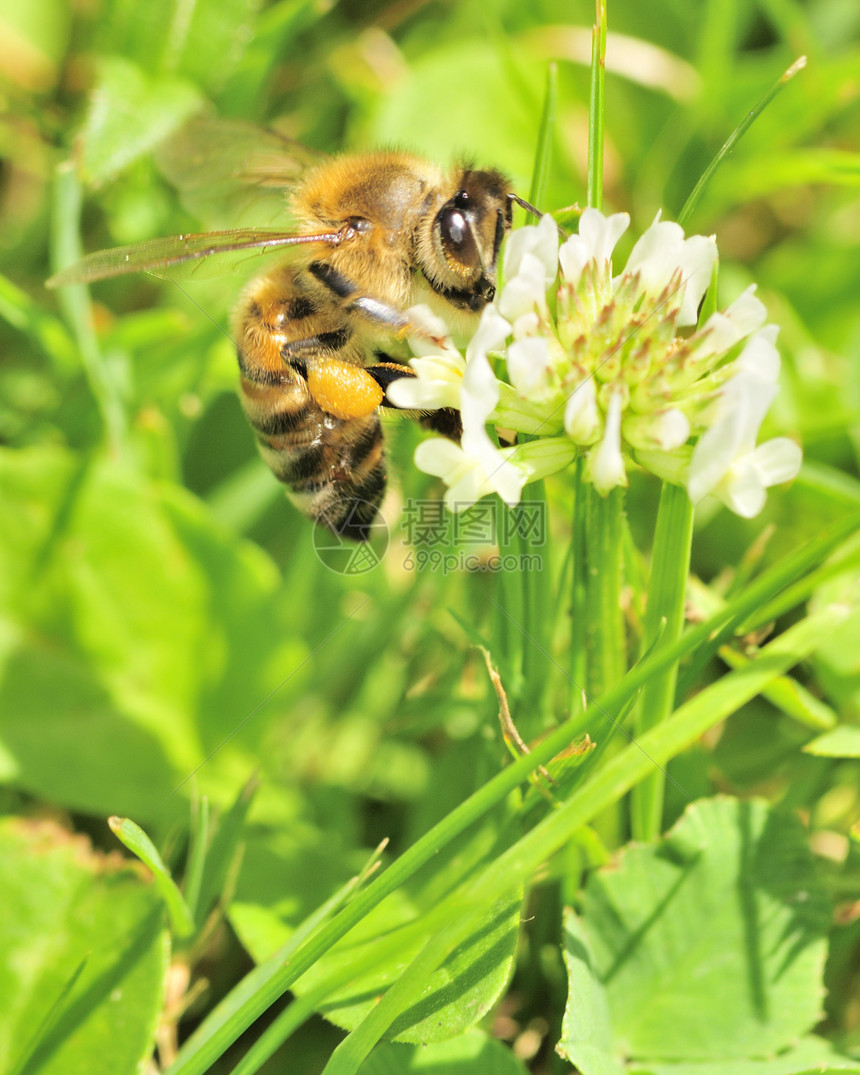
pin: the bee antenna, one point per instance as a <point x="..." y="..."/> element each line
<point x="523" y="204"/>
<point x="529" y="208"/>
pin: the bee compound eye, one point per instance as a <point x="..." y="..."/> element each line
<point x="456" y="236"/>
<point x="454" y="228"/>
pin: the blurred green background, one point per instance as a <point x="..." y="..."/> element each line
<point x="166" y="626"/>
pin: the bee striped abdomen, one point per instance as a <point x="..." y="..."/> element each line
<point x="334" y="467"/>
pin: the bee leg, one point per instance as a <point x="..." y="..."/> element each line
<point x="399" y="322"/>
<point x="377" y="311"/>
<point x="445" y="421"/>
<point x="386" y="372"/>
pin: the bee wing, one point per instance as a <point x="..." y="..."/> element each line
<point x="158" y="255"/>
<point x="230" y="173"/>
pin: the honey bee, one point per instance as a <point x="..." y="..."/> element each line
<point x="375" y="232"/>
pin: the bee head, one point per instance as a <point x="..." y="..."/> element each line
<point x="467" y="234"/>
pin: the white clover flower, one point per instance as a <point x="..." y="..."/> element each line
<point x="667" y="262"/>
<point x="726" y="462"/>
<point x="439" y="371"/>
<point x="613" y="369"/>
<point x="595" y="242"/>
<point x="529" y="267"/>
<point x="476" y="466"/>
<point x="470" y="471"/>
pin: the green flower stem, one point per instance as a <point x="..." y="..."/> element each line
<point x="522" y="635"/>
<point x="596" y="109"/>
<point x="508" y="634"/>
<point x="664" y="620"/>
<point x="197" y="856"/>
<point x="75" y="304"/>
<point x="605" y="638"/>
<point x="534" y="569"/>
<point x="578" y="607"/>
<point x="546" y="132"/>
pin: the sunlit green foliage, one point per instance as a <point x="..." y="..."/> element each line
<point x="168" y="629"/>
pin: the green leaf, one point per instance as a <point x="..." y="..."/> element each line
<point x="136" y="840"/>
<point x="454" y="998"/>
<point x="711" y="945"/>
<point x="842" y="742"/>
<point x="139" y="639"/>
<point x="467" y="1054"/>
<point x="140" y="32"/>
<point x="373" y="955"/>
<point x="375" y="952"/>
<point x="222" y="852"/>
<point x="129" y="113"/>
<point x="449" y="75"/>
<point x="85" y="955"/>
<point x="811" y="1056"/>
<point x="586" y="1038"/>
<point x="207" y="46"/>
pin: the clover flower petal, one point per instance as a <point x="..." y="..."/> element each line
<point x="743" y="488"/>
<point x="582" y="421"/>
<point x="470" y="471"/>
<point x="726" y="462"/>
<point x="667" y="262"/>
<point x="595" y="242"/>
<point x="725" y="328"/>
<point x="438" y="367"/>
<point x="480" y="391"/>
<point x="605" y="467"/>
<point x="528" y="363"/>
<point x="438" y="383"/>
<point x="540" y="244"/>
